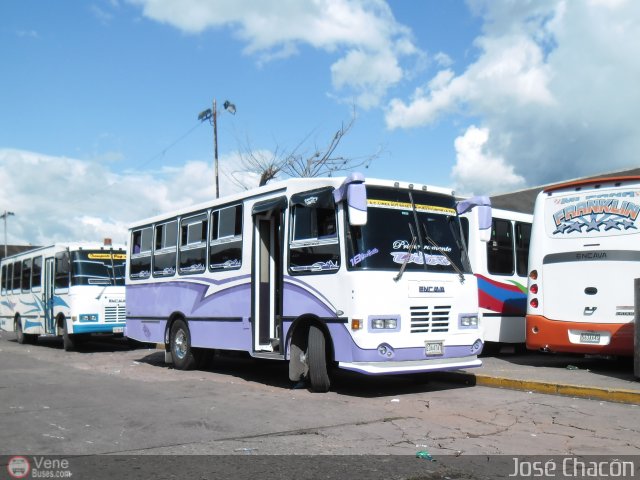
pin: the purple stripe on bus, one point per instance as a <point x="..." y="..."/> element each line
<point x="298" y="301"/>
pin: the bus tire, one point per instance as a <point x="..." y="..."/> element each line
<point x="20" y="336"/>
<point x="180" y="344"/>
<point x="68" y="342"/>
<point x="317" y="360"/>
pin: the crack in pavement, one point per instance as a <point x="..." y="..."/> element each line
<point x="284" y="433"/>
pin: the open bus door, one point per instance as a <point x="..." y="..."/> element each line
<point x="48" y="296"/>
<point x="268" y="221"/>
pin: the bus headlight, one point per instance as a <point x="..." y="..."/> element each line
<point x="468" y="321"/>
<point x="89" y="317"/>
<point x="384" y="323"/>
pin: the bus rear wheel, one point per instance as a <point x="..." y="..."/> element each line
<point x="317" y="361"/>
<point x="180" y="343"/>
<point x="20" y="336"/>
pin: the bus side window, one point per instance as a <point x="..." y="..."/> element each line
<point x="523" y="236"/>
<point x="226" y="238"/>
<point x="36" y="275"/>
<point x="141" y="253"/>
<point x="3" y="280"/>
<point x="314" y="246"/>
<point x="193" y="244"/>
<point x="465" y="230"/>
<point x="26" y="275"/>
<point x="500" y="251"/>
<point x="164" y="254"/>
<point x="62" y="269"/>
<point x="9" y="278"/>
<point x="17" y="270"/>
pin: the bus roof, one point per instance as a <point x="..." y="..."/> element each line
<point x="291" y="185"/>
<point x="57" y="247"/>
<point x="591" y="181"/>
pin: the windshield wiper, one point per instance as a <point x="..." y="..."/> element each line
<point x="433" y="243"/>
<point x="412" y="245"/>
<point x="460" y="242"/>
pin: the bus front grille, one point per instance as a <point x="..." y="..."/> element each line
<point x="115" y="314"/>
<point x="430" y="319"/>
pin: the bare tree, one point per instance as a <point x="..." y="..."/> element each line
<point x="301" y="161"/>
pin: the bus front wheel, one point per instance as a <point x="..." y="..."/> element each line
<point x="317" y="361"/>
<point x="68" y="342"/>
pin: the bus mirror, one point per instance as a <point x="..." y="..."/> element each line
<point x="482" y="208"/>
<point x="62" y="263"/>
<point x="484" y="222"/>
<point x="357" y="204"/>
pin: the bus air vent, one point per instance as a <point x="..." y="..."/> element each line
<point x="430" y="319"/>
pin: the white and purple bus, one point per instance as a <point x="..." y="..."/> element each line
<point x="370" y="276"/>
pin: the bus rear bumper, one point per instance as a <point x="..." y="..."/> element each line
<point x="412" y="366"/>
<point x="579" y="337"/>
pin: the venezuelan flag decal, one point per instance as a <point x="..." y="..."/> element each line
<point x="506" y="298"/>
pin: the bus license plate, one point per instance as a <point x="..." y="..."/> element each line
<point x="587" y="337"/>
<point x="118" y="329"/>
<point x="432" y="348"/>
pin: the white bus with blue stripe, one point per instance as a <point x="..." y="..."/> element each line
<point x="71" y="290"/>
<point x="365" y="275"/>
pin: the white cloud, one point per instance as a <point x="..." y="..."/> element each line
<point x="477" y="170"/>
<point x="65" y="199"/>
<point x="364" y="35"/>
<point x="555" y="82"/>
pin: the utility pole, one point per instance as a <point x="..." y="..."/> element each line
<point x="4" y="216"/>
<point x="212" y="116"/>
<point x="215" y="146"/>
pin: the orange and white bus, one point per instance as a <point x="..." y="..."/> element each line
<point x="584" y="256"/>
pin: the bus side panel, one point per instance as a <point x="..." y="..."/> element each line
<point x="32" y="313"/>
<point x="7" y="313"/>
<point x="508" y="298"/>
<point x="217" y="312"/>
<point x="504" y="305"/>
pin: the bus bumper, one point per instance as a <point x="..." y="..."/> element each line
<point x="579" y="337"/>
<point x="411" y="366"/>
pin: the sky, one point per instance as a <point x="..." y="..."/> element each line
<point x="99" y="99"/>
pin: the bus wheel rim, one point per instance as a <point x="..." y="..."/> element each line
<point x="181" y="344"/>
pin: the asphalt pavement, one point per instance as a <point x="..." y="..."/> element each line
<point x="584" y="376"/>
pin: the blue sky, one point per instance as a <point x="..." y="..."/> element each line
<point x="99" y="99"/>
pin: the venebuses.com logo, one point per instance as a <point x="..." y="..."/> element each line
<point x="18" y="467"/>
<point x="38" y="467"/>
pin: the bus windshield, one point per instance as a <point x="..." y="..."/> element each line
<point x="97" y="267"/>
<point x="392" y="237"/>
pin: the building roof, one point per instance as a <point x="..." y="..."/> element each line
<point x="15" y="249"/>
<point x="524" y="200"/>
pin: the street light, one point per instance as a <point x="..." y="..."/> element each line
<point x="4" y="216"/>
<point x="212" y="116"/>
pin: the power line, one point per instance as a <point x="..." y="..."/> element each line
<point x="171" y="145"/>
<point x="154" y="157"/>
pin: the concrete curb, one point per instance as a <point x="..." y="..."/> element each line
<point x="581" y="391"/>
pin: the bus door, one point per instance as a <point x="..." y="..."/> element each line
<point x="267" y="274"/>
<point x="48" y="297"/>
